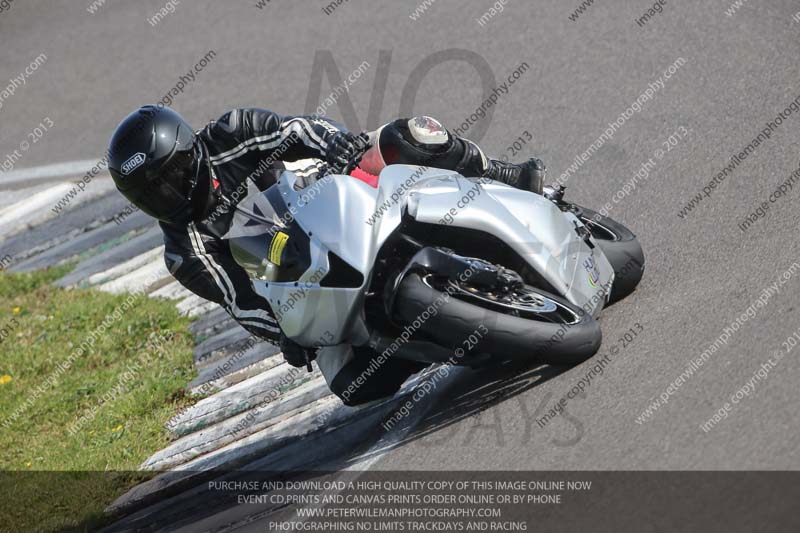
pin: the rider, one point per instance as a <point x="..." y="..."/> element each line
<point x="191" y="181"/>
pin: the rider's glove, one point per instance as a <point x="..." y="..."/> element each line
<point x="343" y="147"/>
<point x="296" y="355"/>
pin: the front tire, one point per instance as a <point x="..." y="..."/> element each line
<point x="620" y="246"/>
<point x="551" y="330"/>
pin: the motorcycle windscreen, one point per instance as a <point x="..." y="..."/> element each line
<point x="275" y="255"/>
<point x="251" y="254"/>
<point x="266" y="241"/>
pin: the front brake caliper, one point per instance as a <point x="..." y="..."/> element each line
<point x="483" y="274"/>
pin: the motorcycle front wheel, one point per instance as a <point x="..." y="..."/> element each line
<point x="620" y="246"/>
<point x="525" y="323"/>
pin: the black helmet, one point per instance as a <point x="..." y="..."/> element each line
<point x="155" y="160"/>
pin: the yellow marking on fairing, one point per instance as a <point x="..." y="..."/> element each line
<point x="276" y="247"/>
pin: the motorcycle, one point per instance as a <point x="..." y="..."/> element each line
<point x="427" y="262"/>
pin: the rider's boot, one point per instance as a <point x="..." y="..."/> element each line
<point x="528" y="176"/>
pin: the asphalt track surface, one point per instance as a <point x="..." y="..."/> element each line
<point x="702" y="272"/>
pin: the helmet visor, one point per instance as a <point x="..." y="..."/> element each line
<point x="168" y="195"/>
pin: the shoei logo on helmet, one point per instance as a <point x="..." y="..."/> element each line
<point x="133" y="162"/>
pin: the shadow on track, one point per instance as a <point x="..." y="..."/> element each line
<point x="463" y="394"/>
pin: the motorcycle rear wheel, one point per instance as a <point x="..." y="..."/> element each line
<point x="530" y="325"/>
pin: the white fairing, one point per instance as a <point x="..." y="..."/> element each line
<point x="530" y="224"/>
<point x="349" y="218"/>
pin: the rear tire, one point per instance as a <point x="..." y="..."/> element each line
<point x="620" y="246"/>
<point x="572" y="340"/>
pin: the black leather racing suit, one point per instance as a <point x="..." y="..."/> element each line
<point x="243" y="145"/>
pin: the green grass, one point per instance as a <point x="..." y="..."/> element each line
<point x="101" y="416"/>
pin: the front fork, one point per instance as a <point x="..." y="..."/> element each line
<point x="446" y="263"/>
